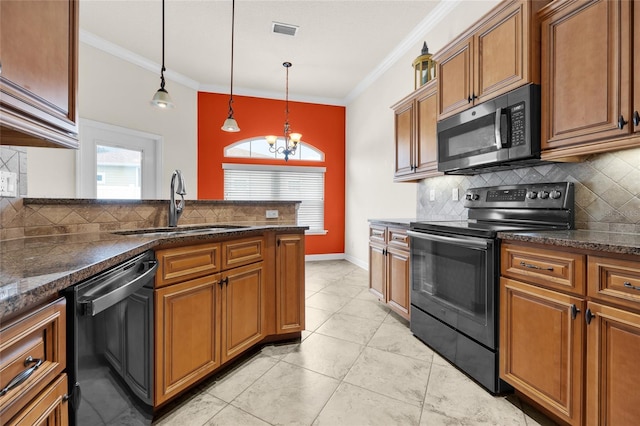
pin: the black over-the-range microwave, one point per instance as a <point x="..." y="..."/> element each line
<point x="501" y="133"/>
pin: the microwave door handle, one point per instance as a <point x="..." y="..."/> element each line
<point x="497" y="129"/>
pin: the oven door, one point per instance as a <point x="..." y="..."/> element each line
<point x="453" y="279"/>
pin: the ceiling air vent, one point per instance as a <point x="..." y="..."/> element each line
<point x="286" y="29"/>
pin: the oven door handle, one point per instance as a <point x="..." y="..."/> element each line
<point x="469" y="242"/>
<point x="102" y="301"/>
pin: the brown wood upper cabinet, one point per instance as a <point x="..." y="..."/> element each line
<point x="589" y="100"/>
<point x="416" y="138"/>
<point x="38" y="73"/>
<point x="497" y="54"/>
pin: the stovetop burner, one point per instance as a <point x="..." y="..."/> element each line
<point x="526" y="207"/>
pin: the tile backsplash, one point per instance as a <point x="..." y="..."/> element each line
<point x="607" y="190"/>
<point x="14" y="159"/>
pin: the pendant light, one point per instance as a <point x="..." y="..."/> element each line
<point x="230" y="124"/>
<point x="162" y="99"/>
<point x="291" y="140"/>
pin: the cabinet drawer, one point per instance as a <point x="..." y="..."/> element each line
<point x="242" y="252"/>
<point x="39" y="336"/>
<point x="398" y="237"/>
<point x="614" y="280"/>
<point x="185" y="263"/>
<point x="378" y="233"/>
<point x="554" y="269"/>
<point x="50" y="407"/>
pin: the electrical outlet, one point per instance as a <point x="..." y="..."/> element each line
<point x="8" y="184"/>
<point x="432" y="195"/>
<point x="454" y="194"/>
<point x="272" y="214"/>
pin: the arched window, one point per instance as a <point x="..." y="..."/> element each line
<point x="271" y="182"/>
<point x="259" y="148"/>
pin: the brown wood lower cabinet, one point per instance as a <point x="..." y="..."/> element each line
<point x="540" y="349"/>
<point x="35" y="338"/>
<point x="585" y="323"/>
<point x="206" y="321"/>
<point x="389" y="266"/>
<point x="613" y="345"/>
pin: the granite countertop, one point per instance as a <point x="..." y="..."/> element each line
<point x="398" y="222"/>
<point x="609" y="242"/>
<point x="33" y="270"/>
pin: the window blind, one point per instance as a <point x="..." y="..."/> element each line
<point x="305" y="184"/>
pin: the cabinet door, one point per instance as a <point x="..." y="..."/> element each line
<point x="290" y="283"/>
<point x="398" y="281"/>
<point x="585" y="72"/>
<point x="541" y="349"/>
<point x="38" y="47"/>
<point x="187" y="331"/>
<point x="501" y="54"/>
<point x="613" y="344"/>
<point x="377" y="270"/>
<point x="426" y="145"/>
<point x="404" y="140"/>
<point x="49" y="408"/>
<point x="455" y="78"/>
<point x="243" y="310"/>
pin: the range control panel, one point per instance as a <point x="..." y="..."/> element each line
<point x="541" y="195"/>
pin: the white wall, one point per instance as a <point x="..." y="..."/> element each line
<point x="371" y="192"/>
<point x="117" y="92"/>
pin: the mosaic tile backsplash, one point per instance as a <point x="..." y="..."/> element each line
<point x="607" y="190"/>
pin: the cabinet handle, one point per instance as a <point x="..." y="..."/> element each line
<point x="621" y="122"/>
<point x="224" y="281"/>
<point x="627" y="284"/>
<point x="530" y="266"/>
<point x="384" y="252"/>
<point x="588" y="316"/>
<point x="636" y="118"/>
<point x="472" y="98"/>
<point x="20" y="378"/>
<point x="574" y="311"/>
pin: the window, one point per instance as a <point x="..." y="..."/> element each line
<point x="290" y="183"/>
<point x="116" y="162"/>
<point x="259" y="148"/>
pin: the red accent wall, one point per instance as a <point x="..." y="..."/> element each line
<point x="322" y="126"/>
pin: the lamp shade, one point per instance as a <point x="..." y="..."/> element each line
<point x="230" y="125"/>
<point x="162" y="99"/>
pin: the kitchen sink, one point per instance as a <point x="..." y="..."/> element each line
<point x="169" y="232"/>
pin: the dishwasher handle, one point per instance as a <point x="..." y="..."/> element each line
<point x="93" y="306"/>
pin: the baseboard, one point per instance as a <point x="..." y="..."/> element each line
<point x="336" y="256"/>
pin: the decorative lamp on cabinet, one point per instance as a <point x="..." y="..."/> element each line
<point x="424" y="67"/>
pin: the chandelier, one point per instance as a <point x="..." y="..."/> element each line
<point x="291" y="140"/>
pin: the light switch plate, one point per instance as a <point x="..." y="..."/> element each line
<point x="272" y="214"/>
<point x="432" y="195"/>
<point x="8" y="184"/>
<point x="454" y="194"/>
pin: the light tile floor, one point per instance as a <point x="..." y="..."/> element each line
<point x="357" y="364"/>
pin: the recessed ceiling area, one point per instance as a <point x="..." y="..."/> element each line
<point x="336" y="46"/>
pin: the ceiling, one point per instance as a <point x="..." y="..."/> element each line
<point x="339" y="46"/>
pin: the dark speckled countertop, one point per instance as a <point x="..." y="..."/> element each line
<point x="609" y="242"/>
<point x="33" y="270"/>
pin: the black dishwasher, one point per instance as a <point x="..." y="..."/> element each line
<point x="110" y="345"/>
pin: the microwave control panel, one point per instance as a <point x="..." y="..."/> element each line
<point x="518" y="124"/>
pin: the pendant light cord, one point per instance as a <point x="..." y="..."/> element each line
<point x="287" y="65"/>
<point x="163" y="68"/>
<point x="233" y="21"/>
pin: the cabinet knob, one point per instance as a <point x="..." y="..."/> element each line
<point x="621" y="122"/>
<point x="588" y="316"/>
<point x="636" y="118"/>
<point x="574" y="311"/>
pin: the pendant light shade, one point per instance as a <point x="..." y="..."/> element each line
<point x="162" y="99"/>
<point x="230" y="124"/>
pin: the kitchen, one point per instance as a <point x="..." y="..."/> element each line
<point x="369" y="121"/>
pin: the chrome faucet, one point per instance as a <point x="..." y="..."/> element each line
<point x="176" y="207"/>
